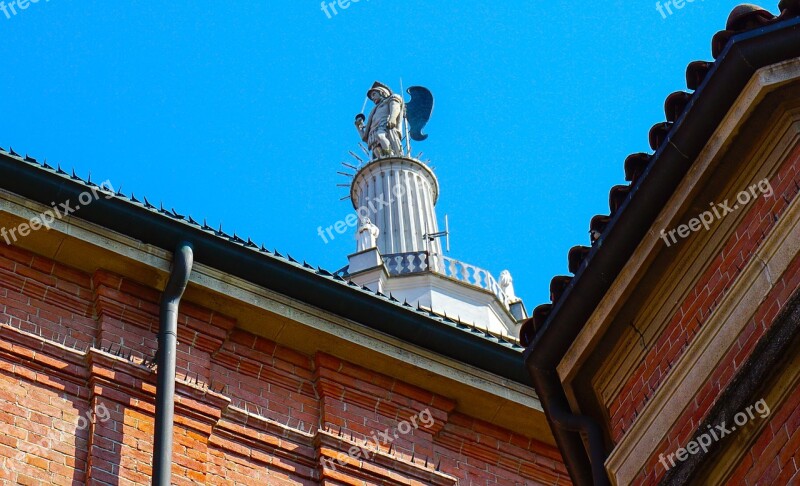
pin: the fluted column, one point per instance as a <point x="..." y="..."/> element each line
<point x="399" y="196"/>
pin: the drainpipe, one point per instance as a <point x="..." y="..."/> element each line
<point x="167" y="350"/>
<point x="585" y="470"/>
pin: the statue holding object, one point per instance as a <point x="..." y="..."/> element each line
<point x="382" y="130"/>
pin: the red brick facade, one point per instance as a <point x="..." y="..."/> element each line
<point x="249" y="411"/>
<point x="762" y="215"/>
<point x="701" y="302"/>
<point x="775" y="456"/>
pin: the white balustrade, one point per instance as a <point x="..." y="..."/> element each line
<point x="421" y="261"/>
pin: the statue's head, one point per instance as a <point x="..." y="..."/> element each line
<point x="377" y="94"/>
<point x="365" y="221"/>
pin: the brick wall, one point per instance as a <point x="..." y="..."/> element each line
<point x="702" y="300"/>
<point x="77" y="389"/>
<point x="690" y="419"/>
<point x="775" y="456"/>
<point x="700" y="303"/>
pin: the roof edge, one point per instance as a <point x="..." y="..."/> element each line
<point x="43" y="184"/>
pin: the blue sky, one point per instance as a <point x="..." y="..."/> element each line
<point x="241" y="112"/>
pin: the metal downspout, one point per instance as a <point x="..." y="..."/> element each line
<point x="167" y="350"/>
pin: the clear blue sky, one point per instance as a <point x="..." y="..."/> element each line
<point x="241" y="112"/>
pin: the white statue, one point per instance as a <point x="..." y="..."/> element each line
<point x="382" y="131"/>
<point x="367" y="235"/>
<point x="507" y="284"/>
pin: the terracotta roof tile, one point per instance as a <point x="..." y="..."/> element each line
<point x="742" y="18"/>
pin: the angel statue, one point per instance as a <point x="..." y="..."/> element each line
<point x="382" y="131"/>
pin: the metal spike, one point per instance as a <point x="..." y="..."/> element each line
<point x="11" y="151"/>
<point x="344" y="174"/>
<point x="59" y="170"/>
<point x="133" y="198"/>
<point x="355" y="156"/>
<point x="391" y="446"/>
<point x="349" y="166"/>
<point x="28" y="158"/>
<point x="175" y="213"/>
<point x="44" y="164"/>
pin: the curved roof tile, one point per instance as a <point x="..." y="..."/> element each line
<point x="742" y="18"/>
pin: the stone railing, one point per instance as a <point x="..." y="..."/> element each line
<point x="420" y="261"/>
<point x="464" y="272"/>
<point x="406" y="263"/>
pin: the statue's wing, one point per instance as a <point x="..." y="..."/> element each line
<point x="418" y="111"/>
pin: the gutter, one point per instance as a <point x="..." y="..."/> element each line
<point x="317" y="288"/>
<point x="167" y="351"/>
<point x="744" y="55"/>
